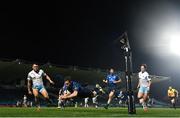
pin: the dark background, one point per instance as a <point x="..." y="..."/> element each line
<point x="82" y="32"/>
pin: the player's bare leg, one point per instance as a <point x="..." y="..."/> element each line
<point x="36" y="98"/>
<point x="145" y="98"/>
<point x="173" y="103"/>
<point x="95" y="102"/>
<point x="86" y="100"/>
<point x="110" y="97"/>
<point x="46" y="96"/>
<point x="141" y="98"/>
<point x="111" y="94"/>
<point x="60" y="102"/>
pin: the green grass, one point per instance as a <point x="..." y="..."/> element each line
<point x="86" y="112"/>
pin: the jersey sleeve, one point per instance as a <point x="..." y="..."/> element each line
<point x="139" y="75"/>
<point x="75" y="87"/>
<point x="175" y="91"/>
<point x="43" y="73"/>
<point x="117" y="78"/>
<point x="29" y="77"/>
<point x="61" y="91"/>
<point x="107" y="78"/>
<point x="147" y="76"/>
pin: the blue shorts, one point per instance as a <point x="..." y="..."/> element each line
<point x="143" y="89"/>
<point x="112" y="87"/>
<point x="40" y="88"/>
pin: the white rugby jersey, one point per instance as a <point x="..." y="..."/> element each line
<point x="144" y="79"/>
<point x="36" y="77"/>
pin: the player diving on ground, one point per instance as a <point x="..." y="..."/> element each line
<point x="75" y="90"/>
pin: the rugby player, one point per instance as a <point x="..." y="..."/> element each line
<point x="173" y="95"/>
<point x="144" y="85"/>
<point x="36" y="76"/>
<point x="76" y="90"/>
<point x="111" y="80"/>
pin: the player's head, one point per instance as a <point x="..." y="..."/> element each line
<point x="35" y="67"/>
<point x="170" y="87"/>
<point x="143" y="67"/>
<point x="111" y="71"/>
<point x="67" y="81"/>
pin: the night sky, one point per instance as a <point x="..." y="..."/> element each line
<point x="81" y="32"/>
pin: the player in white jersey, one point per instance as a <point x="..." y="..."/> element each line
<point x="36" y="76"/>
<point x="144" y="86"/>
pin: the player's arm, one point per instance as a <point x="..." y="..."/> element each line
<point x="60" y="92"/>
<point x="177" y="93"/>
<point x="168" y="93"/>
<point x="149" y="83"/>
<point x="138" y="85"/>
<point x="29" y="86"/>
<point x="49" y="79"/>
<point x="105" y="81"/>
<point x="118" y="80"/>
<point x="74" y="94"/>
<point x="29" y="80"/>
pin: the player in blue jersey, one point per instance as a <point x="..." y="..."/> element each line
<point x="76" y="90"/>
<point x="111" y="80"/>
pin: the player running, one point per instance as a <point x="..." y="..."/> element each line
<point x="173" y="95"/>
<point x="144" y="86"/>
<point x="36" y="76"/>
<point x="111" y="80"/>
